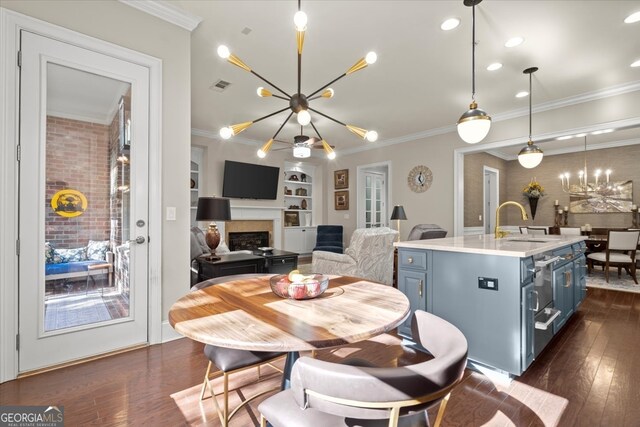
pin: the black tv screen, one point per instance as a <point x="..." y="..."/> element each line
<point x="250" y="181"/>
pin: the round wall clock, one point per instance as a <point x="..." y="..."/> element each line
<point x="419" y="179"/>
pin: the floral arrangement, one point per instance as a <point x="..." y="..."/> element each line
<point x="533" y="190"/>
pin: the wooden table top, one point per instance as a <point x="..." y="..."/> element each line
<point x="246" y="315"/>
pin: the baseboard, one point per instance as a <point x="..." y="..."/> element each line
<point x="168" y="333"/>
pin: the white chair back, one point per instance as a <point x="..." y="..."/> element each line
<point x="538" y="231"/>
<point x="523" y="230"/>
<point x="623" y="240"/>
<point x="570" y="231"/>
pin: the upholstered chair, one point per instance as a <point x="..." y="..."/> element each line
<point x="332" y="394"/>
<point x="226" y="361"/>
<point x="570" y="231"/>
<point x="329" y="239"/>
<point x="621" y="253"/>
<point x="537" y="230"/>
<point x="369" y="256"/>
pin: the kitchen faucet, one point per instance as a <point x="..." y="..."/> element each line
<point x="499" y="233"/>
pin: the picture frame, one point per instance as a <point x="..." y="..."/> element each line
<point x="341" y="200"/>
<point x="341" y="179"/>
<point x="291" y="219"/>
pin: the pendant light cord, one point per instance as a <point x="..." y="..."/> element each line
<point x="530" y="113"/>
<point x="473" y="52"/>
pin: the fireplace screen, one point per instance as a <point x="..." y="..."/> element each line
<point x="251" y="240"/>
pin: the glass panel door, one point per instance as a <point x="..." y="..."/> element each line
<point x="374" y="196"/>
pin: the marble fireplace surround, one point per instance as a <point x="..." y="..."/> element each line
<point x="256" y="218"/>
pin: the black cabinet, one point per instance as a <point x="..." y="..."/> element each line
<point x="228" y="265"/>
<point x="280" y="262"/>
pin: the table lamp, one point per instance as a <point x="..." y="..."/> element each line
<point x="398" y="214"/>
<point x="213" y="209"/>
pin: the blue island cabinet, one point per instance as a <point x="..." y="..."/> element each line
<point x="413" y="281"/>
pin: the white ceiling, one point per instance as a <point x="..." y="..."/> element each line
<point x="422" y="80"/>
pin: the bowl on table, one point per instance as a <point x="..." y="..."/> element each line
<point x="299" y="286"/>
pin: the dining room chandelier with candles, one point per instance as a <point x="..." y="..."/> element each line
<point x="602" y="181"/>
<point x="299" y="103"/>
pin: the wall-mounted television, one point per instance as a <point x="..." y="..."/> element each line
<point x="250" y="181"/>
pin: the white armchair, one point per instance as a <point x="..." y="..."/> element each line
<point x="369" y="255"/>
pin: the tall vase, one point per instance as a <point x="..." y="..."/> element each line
<point x="533" y="202"/>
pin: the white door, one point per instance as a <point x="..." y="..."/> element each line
<point x="374" y="200"/>
<point x="491" y="197"/>
<point x="84" y="120"/>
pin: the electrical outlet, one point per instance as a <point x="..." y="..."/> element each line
<point x="488" y="283"/>
<point x="479" y="217"/>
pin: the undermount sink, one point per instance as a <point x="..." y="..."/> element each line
<point x="531" y="239"/>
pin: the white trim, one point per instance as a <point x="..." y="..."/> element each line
<point x="573" y="149"/>
<point x="167" y="12"/>
<point x="11" y="24"/>
<point x="360" y="188"/>
<point x="272" y="213"/>
<point x="459" y="153"/>
<point x="168" y="333"/>
<point x="496" y="172"/>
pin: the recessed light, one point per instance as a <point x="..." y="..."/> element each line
<point x="450" y="24"/>
<point x="636" y="64"/>
<point x="514" y="41"/>
<point x="634" y="17"/>
<point x="522" y="94"/>
<point x="562" y="138"/>
<point x="494" y="66"/>
<point x="580" y="135"/>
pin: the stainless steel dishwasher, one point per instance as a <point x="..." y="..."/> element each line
<point x="545" y="312"/>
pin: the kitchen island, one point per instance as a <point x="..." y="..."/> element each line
<point x="508" y="296"/>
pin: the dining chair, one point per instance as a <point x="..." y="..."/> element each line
<point x="570" y="231"/>
<point x="637" y="248"/>
<point x="229" y="361"/>
<point x="620" y="252"/>
<point x="332" y="394"/>
<point x="536" y="230"/>
<point x="523" y="230"/>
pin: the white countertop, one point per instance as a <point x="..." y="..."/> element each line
<point x="515" y="245"/>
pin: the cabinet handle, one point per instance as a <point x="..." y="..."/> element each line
<point x="537" y="300"/>
<point x="420" y="288"/>
<point x="567" y="279"/>
<point x="410" y="260"/>
<point x="282" y="261"/>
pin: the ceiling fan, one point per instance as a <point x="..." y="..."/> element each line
<point x="302" y="144"/>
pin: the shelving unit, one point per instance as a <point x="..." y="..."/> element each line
<point x="299" y="226"/>
<point x="195" y="184"/>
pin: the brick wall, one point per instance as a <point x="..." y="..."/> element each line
<point x="77" y="157"/>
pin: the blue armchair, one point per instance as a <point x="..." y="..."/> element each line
<point x="329" y="239"/>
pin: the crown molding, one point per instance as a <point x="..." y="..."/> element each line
<point x="574" y="149"/>
<point x="167" y="12"/>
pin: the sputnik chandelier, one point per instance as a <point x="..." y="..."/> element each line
<point x="298" y="102"/>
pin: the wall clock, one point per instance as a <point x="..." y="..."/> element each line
<point x="419" y="179"/>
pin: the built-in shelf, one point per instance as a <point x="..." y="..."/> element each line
<point x="298" y="182"/>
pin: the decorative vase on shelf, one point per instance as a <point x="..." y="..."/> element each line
<point x="533" y="203"/>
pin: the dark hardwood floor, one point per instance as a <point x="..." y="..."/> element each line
<point x="588" y="376"/>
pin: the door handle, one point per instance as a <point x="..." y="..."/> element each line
<point x="410" y="260"/>
<point x="420" y="288"/>
<point x="139" y="240"/>
<point x="537" y="300"/>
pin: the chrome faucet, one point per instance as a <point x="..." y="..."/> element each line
<point x="499" y="233"/>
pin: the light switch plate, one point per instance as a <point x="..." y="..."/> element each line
<point x="171" y="213"/>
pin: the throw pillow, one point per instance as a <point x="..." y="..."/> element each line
<point x="71" y="255"/>
<point x="50" y="255"/>
<point x="97" y="250"/>
<point x="200" y="244"/>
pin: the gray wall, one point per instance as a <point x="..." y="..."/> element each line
<point x="474" y="185"/>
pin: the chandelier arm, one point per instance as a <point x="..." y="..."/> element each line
<point x="328" y="84"/>
<point x="271" y="84"/>
<point x="316" y="130"/>
<point x="282" y="125"/>
<point x="272" y="114"/>
<point x="328" y="117"/>
<point x="280" y="97"/>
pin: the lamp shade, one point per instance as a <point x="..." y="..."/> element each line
<point x="398" y="213"/>
<point x="213" y="209"/>
<point x="530" y="156"/>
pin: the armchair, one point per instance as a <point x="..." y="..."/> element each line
<point x="369" y="255"/>
<point x="329" y="239"/>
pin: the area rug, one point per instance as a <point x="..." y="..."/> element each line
<point x="625" y="283"/>
<point x="74" y="310"/>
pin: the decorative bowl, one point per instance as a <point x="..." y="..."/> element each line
<point x="304" y="286"/>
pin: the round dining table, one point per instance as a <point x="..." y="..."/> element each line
<point x="243" y="313"/>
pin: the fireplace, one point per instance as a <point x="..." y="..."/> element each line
<point x="248" y="240"/>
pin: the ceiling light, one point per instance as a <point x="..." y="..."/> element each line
<point x="495" y="66"/>
<point x="636" y="63"/>
<point x="514" y="41"/>
<point x="298" y="102"/>
<point x="531" y="155"/>
<point x="474" y="124"/>
<point x="450" y="24"/>
<point x="634" y="17"/>
<point x="301" y="150"/>
<point x="562" y="138"/>
<point x="522" y="94"/>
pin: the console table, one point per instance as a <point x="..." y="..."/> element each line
<point x="275" y="261"/>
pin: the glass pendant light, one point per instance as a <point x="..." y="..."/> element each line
<point x="531" y="155"/>
<point x="474" y="124"/>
